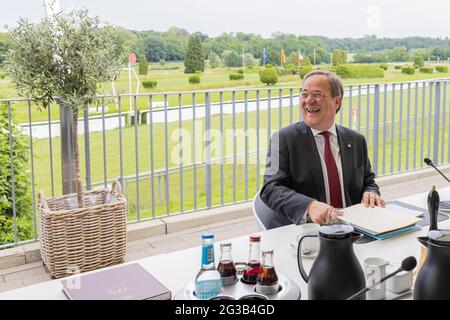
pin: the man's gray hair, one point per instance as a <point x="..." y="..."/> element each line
<point x="337" y="89"/>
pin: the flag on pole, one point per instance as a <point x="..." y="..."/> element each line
<point x="283" y="57"/>
<point x="264" y="57"/>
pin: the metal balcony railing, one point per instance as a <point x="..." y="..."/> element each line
<point x="178" y="152"/>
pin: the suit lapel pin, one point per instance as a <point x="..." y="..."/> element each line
<point x="349" y="146"/>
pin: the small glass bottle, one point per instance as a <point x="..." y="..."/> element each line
<point x="267" y="282"/>
<point x="208" y="282"/>
<point x="253" y="265"/>
<point x="226" y="266"/>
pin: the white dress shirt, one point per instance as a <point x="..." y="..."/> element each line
<point x="320" y="143"/>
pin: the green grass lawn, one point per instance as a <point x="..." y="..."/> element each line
<point x="235" y="185"/>
<point x="176" y="81"/>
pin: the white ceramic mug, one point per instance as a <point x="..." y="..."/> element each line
<point x="310" y="246"/>
<point x="374" y="271"/>
<point x="401" y="282"/>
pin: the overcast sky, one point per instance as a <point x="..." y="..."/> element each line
<point x="331" y="18"/>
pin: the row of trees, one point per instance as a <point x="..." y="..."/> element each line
<point x="171" y="45"/>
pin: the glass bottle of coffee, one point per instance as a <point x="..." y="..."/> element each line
<point x="267" y="281"/>
<point x="226" y="266"/>
<point x="253" y="265"/>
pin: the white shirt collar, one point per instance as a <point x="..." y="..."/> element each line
<point x="332" y="130"/>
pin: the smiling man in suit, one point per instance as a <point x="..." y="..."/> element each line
<point x="315" y="166"/>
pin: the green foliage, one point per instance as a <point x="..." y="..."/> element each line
<point x="148" y="84"/>
<point x="306" y="62"/>
<point x="236" y="76"/>
<point x="339" y="56"/>
<point x="194" y="59"/>
<point x="214" y="60"/>
<point x="250" y="61"/>
<point x="241" y="71"/>
<point x="66" y="56"/>
<point x="408" y="70"/>
<point x="194" y="79"/>
<point x="162" y="62"/>
<point x="426" y="70"/>
<point x="2" y="76"/>
<point x="293" y="58"/>
<point x="418" y="60"/>
<point x="269" y="75"/>
<point x="22" y="182"/>
<point x="291" y="68"/>
<point x="357" y="71"/>
<point x="441" y="69"/>
<point x="5" y="43"/>
<point x="231" y="59"/>
<point x="143" y="66"/>
<point x="384" y="66"/>
<point x="304" y="70"/>
<point x="397" y="67"/>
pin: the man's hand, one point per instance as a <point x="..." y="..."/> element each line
<point x="322" y="213"/>
<point x="372" y="199"/>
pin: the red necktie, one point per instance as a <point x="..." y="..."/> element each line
<point x="332" y="172"/>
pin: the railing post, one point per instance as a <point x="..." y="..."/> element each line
<point x="87" y="147"/>
<point x="375" y="127"/>
<point x="436" y="121"/>
<point x="208" y="173"/>
<point x="68" y="178"/>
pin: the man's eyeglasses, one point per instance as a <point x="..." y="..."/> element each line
<point x="314" y="95"/>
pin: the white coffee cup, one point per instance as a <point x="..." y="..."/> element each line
<point x="310" y="245"/>
<point x="401" y="282"/>
<point x="374" y="271"/>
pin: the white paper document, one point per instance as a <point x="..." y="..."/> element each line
<point x="378" y="220"/>
<point x="397" y="208"/>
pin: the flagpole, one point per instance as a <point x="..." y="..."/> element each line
<point x="243" y="61"/>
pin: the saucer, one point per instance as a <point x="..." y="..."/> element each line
<point x="308" y="254"/>
<point x="394" y="296"/>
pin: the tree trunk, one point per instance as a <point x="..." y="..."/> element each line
<point x="76" y="160"/>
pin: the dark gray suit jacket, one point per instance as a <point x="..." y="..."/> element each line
<point x="294" y="178"/>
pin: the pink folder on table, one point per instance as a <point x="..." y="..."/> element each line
<point x="128" y="282"/>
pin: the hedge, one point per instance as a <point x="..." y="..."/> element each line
<point x="304" y="70"/>
<point x="269" y="75"/>
<point x="426" y="70"/>
<point x="236" y="76"/>
<point x="397" y="67"/>
<point x="195" y="79"/>
<point x="357" y="71"/>
<point x="442" y="69"/>
<point x="148" y="84"/>
<point x="408" y="70"/>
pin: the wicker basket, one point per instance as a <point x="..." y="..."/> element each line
<point x="76" y="239"/>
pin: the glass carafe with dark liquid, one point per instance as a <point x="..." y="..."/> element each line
<point x="267" y="281"/>
<point x="226" y="266"/>
<point x="251" y="270"/>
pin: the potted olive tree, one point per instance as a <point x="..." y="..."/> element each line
<point x="63" y="59"/>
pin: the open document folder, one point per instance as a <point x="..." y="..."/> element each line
<point x="377" y="221"/>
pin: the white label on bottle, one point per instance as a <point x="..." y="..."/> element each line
<point x="206" y="289"/>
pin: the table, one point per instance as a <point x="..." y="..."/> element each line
<point x="176" y="269"/>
